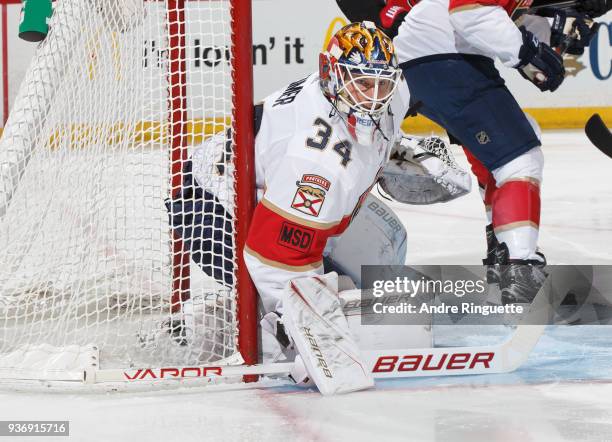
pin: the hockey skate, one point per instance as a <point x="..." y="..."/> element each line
<point x="520" y="279"/>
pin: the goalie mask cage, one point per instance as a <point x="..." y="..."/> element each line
<point x="97" y="144"/>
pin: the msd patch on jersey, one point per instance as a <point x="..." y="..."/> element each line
<point x="308" y="199"/>
<point x="296" y="237"/>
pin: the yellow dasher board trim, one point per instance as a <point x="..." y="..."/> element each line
<point x="547" y="118"/>
<point x="200" y="129"/>
<point x="143" y="132"/>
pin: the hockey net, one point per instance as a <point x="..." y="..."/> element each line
<point x="91" y="274"/>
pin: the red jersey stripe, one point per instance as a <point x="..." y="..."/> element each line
<point x="287" y="240"/>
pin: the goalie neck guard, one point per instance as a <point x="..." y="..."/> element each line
<point x="358" y="72"/>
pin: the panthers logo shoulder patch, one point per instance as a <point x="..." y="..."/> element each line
<point x="310" y="194"/>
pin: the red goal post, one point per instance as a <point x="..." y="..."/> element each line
<point x="244" y="137"/>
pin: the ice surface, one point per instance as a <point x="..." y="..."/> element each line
<point x="563" y="392"/>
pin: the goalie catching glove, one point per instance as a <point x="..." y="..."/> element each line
<point x="423" y="171"/>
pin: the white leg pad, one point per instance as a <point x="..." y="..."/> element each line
<point x="376" y="236"/>
<point x="313" y="317"/>
<point x="382" y="336"/>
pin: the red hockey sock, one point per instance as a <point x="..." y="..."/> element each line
<point x="516" y="216"/>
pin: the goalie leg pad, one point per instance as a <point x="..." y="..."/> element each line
<point x="385" y="244"/>
<point x="276" y="345"/>
<point x="314" y="319"/>
<point x="371" y="333"/>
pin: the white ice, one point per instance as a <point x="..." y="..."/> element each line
<point x="564" y="392"/>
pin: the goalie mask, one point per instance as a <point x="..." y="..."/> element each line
<point x="358" y="73"/>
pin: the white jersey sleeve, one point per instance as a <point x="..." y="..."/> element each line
<point x="490" y="30"/>
<point x="425" y="31"/>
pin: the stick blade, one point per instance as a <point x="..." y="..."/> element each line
<point x="597" y="132"/>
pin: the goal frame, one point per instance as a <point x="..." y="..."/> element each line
<point x="244" y="161"/>
<point x="178" y="143"/>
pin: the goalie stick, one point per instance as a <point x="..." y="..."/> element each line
<point x="504" y="357"/>
<point x="597" y="132"/>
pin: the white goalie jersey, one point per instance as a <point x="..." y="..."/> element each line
<point x="311" y="178"/>
<point x="314" y="177"/>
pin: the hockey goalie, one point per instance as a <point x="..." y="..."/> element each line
<point x="322" y="143"/>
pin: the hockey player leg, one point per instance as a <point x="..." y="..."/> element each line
<point x="488" y="189"/>
<point x="516" y="220"/>
<point x="486" y="182"/>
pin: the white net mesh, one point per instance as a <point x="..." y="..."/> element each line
<point x="85" y="169"/>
